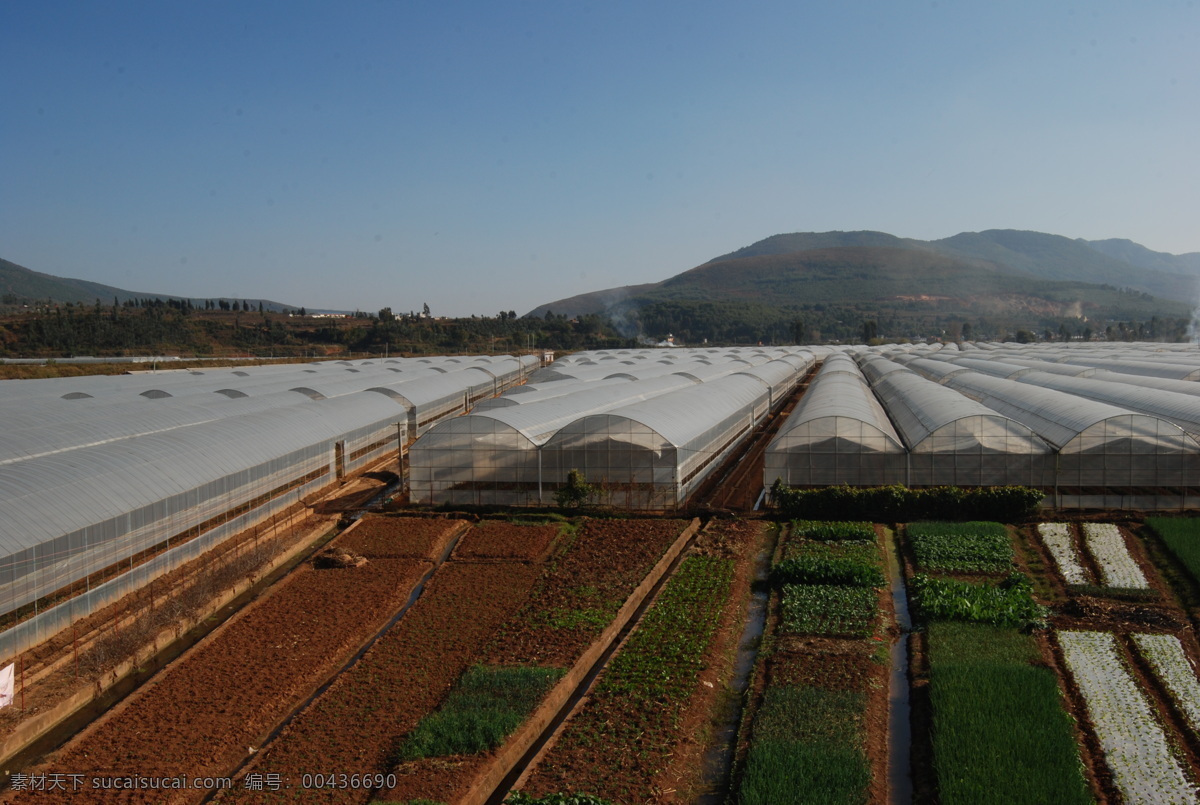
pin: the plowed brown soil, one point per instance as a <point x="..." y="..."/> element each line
<point x="609" y="558"/>
<point x="399" y="537"/>
<point x="354" y="726"/>
<point x="499" y="540"/>
<point x="202" y="715"/>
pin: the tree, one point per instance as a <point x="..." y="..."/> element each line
<point x="797" y="331"/>
<point x="575" y="492"/>
<point x="425" y="309"/>
<point x="870" y="331"/>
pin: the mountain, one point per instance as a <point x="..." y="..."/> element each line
<point x="828" y="266"/>
<point x="1008" y="277"/>
<point x="23" y="286"/>
<point x="1138" y="255"/>
<point x="1054" y="257"/>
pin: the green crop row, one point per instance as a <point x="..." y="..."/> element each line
<point x="796" y="546"/>
<point x="982" y="547"/>
<point x="661" y="659"/>
<point x="834" y="530"/>
<point x="1008" y="603"/>
<point x="481" y="711"/>
<point x="1182" y="537"/>
<point x="827" y="570"/>
<point x="829" y="609"/>
<point x="1000" y="734"/>
<point x="807" y="747"/>
<point x="616" y="745"/>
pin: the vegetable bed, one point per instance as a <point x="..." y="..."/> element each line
<point x="594" y="568"/>
<point x="631" y="716"/>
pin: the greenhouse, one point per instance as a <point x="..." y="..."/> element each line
<point x="492" y="456"/>
<point x="1106" y="454"/>
<point x="105" y="490"/>
<point x="515" y="449"/>
<point x="838" y="434"/>
<point x="653" y="454"/>
<point x="169" y="495"/>
<point x="953" y="440"/>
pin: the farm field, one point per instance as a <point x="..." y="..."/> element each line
<point x="1040" y="651"/>
<point x="633" y="715"/>
<point x="199" y="717"/>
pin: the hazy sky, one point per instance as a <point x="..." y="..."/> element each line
<point x="487" y="156"/>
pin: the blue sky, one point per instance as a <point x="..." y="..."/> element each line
<point x="487" y="156"/>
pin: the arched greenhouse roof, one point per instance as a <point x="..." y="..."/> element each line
<point x="838" y="413"/>
<point x="933" y="418"/>
<point x="46" y="497"/>
<point x="1062" y="419"/>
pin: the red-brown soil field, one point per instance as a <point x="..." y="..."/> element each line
<point x="202" y="715"/>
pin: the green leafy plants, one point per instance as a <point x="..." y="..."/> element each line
<point x="834" y="530"/>
<point x="485" y="706"/>
<point x="982" y="547"/>
<point x="828" y="609"/>
<point x="632" y="717"/>
<point x="827" y="570"/>
<point x="663" y="655"/>
<point x="1007" y="603"/>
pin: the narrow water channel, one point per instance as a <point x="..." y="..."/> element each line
<point x="718" y="761"/>
<point x="900" y="783"/>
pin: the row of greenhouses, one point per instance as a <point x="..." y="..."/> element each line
<point x="108" y="482"/>
<point x="643" y="428"/>
<point x="1095" y="426"/>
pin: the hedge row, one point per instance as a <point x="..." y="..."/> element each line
<point x="899" y="504"/>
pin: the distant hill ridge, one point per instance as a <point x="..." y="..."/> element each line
<point x="839" y="267"/>
<point x="20" y="285"/>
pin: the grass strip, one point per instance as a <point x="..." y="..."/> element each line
<point x="975" y="547"/>
<point x="1182" y="537"/>
<point x="481" y="711"/>
<point x="829" y="609"/>
<point x="807" y="747"/>
<point x="1008" y="603"/>
<point x="1000" y="733"/>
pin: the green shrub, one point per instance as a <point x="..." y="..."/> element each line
<point x="575" y="492"/>
<point x="891" y="504"/>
